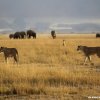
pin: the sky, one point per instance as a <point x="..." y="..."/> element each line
<point x="52" y="11"/>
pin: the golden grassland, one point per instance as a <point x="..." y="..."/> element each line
<point x="46" y="67"/>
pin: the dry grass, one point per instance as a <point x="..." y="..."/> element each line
<point x="48" y="68"/>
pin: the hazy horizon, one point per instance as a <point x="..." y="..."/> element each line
<point x="27" y="13"/>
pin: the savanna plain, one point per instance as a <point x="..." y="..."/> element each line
<point x="47" y="70"/>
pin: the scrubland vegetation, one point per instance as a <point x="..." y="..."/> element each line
<point x="46" y="67"/>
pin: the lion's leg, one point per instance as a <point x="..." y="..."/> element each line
<point x="6" y="59"/>
<point x="98" y="54"/>
<point x="15" y="58"/>
<point x="89" y="57"/>
<point x="85" y="60"/>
